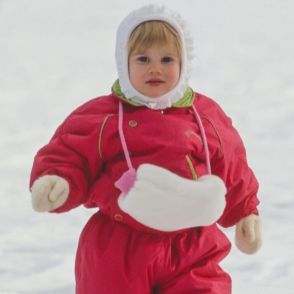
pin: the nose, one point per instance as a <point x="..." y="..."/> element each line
<point x="155" y="68"/>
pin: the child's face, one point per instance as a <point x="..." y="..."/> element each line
<point x="155" y="71"/>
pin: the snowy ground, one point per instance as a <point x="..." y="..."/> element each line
<point x="56" y="54"/>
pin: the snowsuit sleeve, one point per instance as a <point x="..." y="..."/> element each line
<point x="231" y="165"/>
<point x="72" y="154"/>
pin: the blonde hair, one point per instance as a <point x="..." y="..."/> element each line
<point x="154" y="32"/>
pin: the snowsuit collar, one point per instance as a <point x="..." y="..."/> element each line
<point x="185" y="101"/>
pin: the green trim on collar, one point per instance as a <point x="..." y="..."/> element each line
<point x="185" y="101"/>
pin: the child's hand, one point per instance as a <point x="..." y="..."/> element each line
<point x="248" y="234"/>
<point x="49" y="193"/>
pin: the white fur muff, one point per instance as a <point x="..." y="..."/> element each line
<point x="49" y="192"/>
<point x="165" y="201"/>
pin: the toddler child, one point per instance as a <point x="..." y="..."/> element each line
<point x="163" y="164"/>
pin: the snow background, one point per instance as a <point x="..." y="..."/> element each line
<point x="57" y="54"/>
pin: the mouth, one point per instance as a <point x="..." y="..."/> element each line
<point x="155" y="82"/>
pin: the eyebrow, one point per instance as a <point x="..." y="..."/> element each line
<point x="165" y="54"/>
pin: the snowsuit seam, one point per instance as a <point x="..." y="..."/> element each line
<point x="216" y="133"/>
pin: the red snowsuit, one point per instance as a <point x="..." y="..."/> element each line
<point x="117" y="254"/>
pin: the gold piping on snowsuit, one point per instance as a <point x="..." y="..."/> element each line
<point x="191" y="167"/>
<point x="100" y="135"/>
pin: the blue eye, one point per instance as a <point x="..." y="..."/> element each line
<point x="167" y="59"/>
<point x="143" y="59"/>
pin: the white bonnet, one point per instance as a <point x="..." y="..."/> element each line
<point x="143" y="14"/>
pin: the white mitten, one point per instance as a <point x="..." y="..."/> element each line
<point x="165" y="201"/>
<point x="248" y="234"/>
<point x="49" y="192"/>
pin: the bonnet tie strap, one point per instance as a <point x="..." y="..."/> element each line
<point x="127" y="179"/>
<point x="122" y="137"/>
